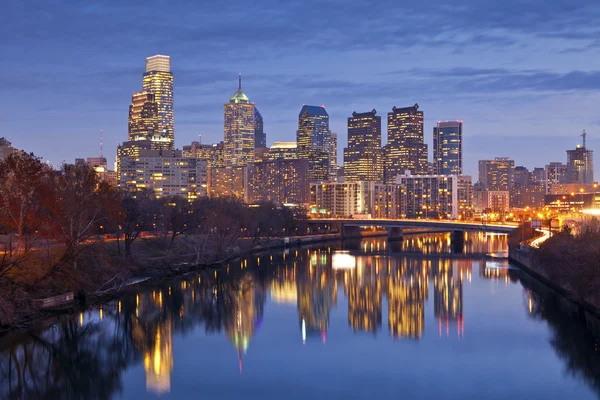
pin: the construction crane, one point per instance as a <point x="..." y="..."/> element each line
<point x="583" y="135"/>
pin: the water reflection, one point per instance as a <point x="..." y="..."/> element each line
<point x="85" y="356"/>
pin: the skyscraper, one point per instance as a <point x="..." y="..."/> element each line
<point x="580" y="165"/>
<point x="447" y="148"/>
<point x="144" y="121"/>
<point x="363" y="158"/>
<point x="556" y="173"/>
<point x="518" y="190"/>
<point x="332" y="145"/>
<point x="239" y="129"/>
<point x="496" y="174"/>
<point x="313" y="137"/>
<point x="405" y="150"/>
<point x="158" y="80"/>
<point x="260" y="137"/>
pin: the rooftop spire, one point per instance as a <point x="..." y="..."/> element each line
<point x="240" y="82"/>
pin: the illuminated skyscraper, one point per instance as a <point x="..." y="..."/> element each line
<point x="158" y="80"/>
<point x="363" y="158"/>
<point x="405" y="150"/>
<point x="281" y="181"/>
<point x="332" y="144"/>
<point x="556" y="173"/>
<point x="283" y="150"/>
<point x="260" y="137"/>
<point x="212" y="153"/>
<point x="447" y="148"/>
<point x="496" y="174"/>
<point x="580" y="166"/>
<point x="144" y="121"/>
<point x="239" y="129"/>
<point x="314" y="141"/>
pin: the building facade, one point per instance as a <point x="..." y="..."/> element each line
<point x="313" y="139"/>
<point x="496" y="174"/>
<point x="283" y="151"/>
<point x="144" y="121"/>
<point x="556" y="173"/>
<point x="428" y="196"/>
<point x="130" y="149"/>
<point x="465" y="197"/>
<point x="228" y="182"/>
<point x="212" y="153"/>
<point x="363" y="158"/>
<point x="447" y="148"/>
<point x="345" y="199"/>
<point x="260" y="137"/>
<point x="158" y="80"/>
<point x="580" y="165"/>
<point x="165" y="172"/>
<point x="281" y="181"/>
<point x="239" y="129"/>
<point x="405" y="150"/>
<point x="492" y="201"/>
<point x="518" y="190"/>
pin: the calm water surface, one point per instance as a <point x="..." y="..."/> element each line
<point x="321" y="323"/>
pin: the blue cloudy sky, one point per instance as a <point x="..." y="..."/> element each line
<point x="523" y="75"/>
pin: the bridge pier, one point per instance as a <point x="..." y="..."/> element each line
<point x="350" y="232"/>
<point x="395" y="233"/>
<point x="458" y="241"/>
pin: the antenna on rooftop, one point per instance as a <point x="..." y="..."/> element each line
<point x="583" y="135"/>
<point x="101" y="137"/>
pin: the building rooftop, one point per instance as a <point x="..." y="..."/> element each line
<point x="158" y="63"/>
<point x="313" y="111"/>
<point x="284" y="145"/>
<point x="239" y="96"/>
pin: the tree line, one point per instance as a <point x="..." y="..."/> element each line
<point x="52" y="220"/>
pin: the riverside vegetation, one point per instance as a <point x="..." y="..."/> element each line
<point x="64" y="230"/>
<point x="572" y="260"/>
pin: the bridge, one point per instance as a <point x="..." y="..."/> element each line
<point x="349" y="228"/>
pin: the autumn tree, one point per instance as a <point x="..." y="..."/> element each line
<point x="137" y="216"/>
<point x="27" y="202"/>
<point x="84" y="202"/>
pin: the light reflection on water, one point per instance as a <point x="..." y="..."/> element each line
<point x="177" y="339"/>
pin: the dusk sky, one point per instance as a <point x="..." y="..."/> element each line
<point x="522" y="75"/>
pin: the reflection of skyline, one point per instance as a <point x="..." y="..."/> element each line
<point x="157" y="345"/>
<point x="448" y="294"/>
<point x="246" y="314"/>
<point x="158" y="361"/>
<point x="363" y="289"/>
<point x="317" y="294"/>
<point x="232" y="300"/>
<point x="407" y="291"/>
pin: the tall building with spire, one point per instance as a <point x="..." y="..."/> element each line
<point x="314" y="141"/>
<point x="239" y="129"/>
<point x="363" y="158"/>
<point x="158" y="80"/>
<point x="405" y="150"/>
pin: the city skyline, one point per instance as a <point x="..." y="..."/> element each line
<point x="516" y="67"/>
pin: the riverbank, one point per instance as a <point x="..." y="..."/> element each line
<point x="105" y="274"/>
<point x="526" y="258"/>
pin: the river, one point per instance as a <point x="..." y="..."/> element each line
<point x="371" y="320"/>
